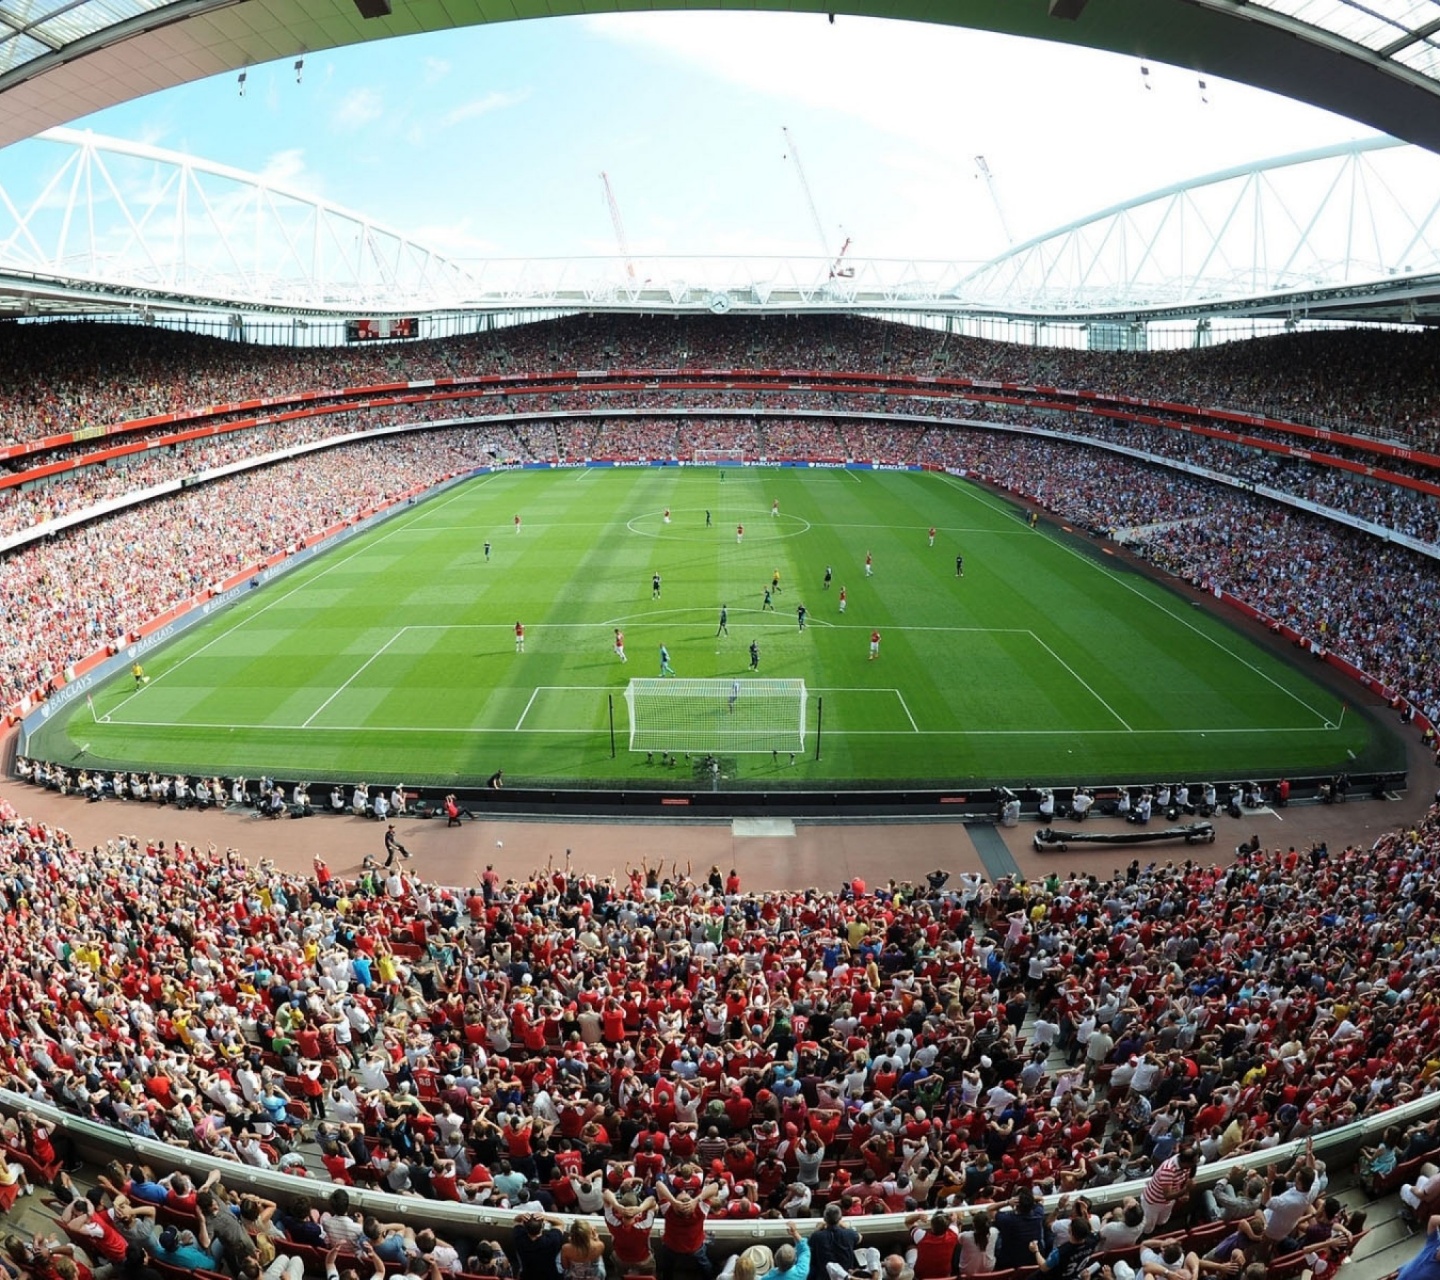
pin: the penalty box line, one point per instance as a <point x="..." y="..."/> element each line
<point x="904" y="706"/>
<point x="358" y="672"/>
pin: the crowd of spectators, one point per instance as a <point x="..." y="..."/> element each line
<point x="62" y="379"/>
<point x="577" y="1043"/>
<point x="1391" y="507"/>
<point x="65" y="597"/>
<point x="769" y="433"/>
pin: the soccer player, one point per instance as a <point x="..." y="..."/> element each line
<point x="707" y="519"/>
<point x="932" y="535"/>
<point x="754" y="655"/>
<point x="1034" y="518"/>
<point x="800" y="616"/>
<point x="655" y="587"/>
<point x="667" y="515"/>
<point x="734" y="695"/>
<point x="775" y="507"/>
<point x="517" y="522"/>
<point x="869" y="565"/>
<point x="487" y="553"/>
<point x="739" y="528"/>
<point x="828" y="575"/>
<point x="620" y="645"/>
<point x="842" y="598"/>
<point x="775" y="582"/>
<point x="519" y="638"/>
<point x="724" y="628"/>
<point x="959" y="566"/>
<point x="768" y="602"/>
<point x="665" y="668"/>
<point x="874" y="645"/>
<point x="139" y="673"/>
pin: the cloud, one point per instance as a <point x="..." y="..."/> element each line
<point x="358" y="108"/>
<point x="287" y="169"/>
<point x="456" y="240"/>
<point x="495" y="100"/>
<point x="434" y="70"/>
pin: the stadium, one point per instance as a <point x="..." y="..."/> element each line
<point x="612" y="743"/>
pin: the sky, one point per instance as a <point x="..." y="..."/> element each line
<point x="489" y="142"/>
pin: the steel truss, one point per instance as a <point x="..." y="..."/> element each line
<point x="142" y="220"/>
<point x="1343" y="232"/>
<point x="1321" y="220"/>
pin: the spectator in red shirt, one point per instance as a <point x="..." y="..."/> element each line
<point x="683" y="1238"/>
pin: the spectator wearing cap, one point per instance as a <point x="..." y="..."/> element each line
<point x="179" y="1248"/>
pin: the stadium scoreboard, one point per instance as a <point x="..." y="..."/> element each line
<point x="371" y="330"/>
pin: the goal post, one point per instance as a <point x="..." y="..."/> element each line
<point x="733" y="715"/>
<point x="734" y="456"/>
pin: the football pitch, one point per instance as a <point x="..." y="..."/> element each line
<point x="393" y="657"/>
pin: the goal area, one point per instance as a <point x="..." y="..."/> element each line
<point x="735" y="715"/>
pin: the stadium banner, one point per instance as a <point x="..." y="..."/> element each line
<point x="94" y="670"/>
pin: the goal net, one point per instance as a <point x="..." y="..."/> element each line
<point x="735" y="454"/>
<point x="716" y="715"/>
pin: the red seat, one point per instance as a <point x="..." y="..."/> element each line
<point x="1206" y="1237"/>
<point x="40" y="1174"/>
<point x="1286" y="1267"/>
<point x="1402" y="1173"/>
<point x="168" y="1216"/>
<point x="338" y="1169"/>
<point x="8" y="1196"/>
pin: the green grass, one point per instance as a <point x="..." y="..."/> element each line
<point x="393" y="656"/>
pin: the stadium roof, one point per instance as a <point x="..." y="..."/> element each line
<point x="1347" y="232"/>
<point x="1376" y="61"/>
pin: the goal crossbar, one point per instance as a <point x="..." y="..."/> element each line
<point x="732" y="715"/>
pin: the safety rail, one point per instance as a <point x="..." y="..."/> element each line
<point x="101" y="1143"/>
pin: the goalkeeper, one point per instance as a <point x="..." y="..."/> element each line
<point x="665" y="668"/>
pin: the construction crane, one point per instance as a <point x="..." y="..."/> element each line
<point x="621" y="238"/>
<point x="837" y="267"/>
<point x="985" y="173"/>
